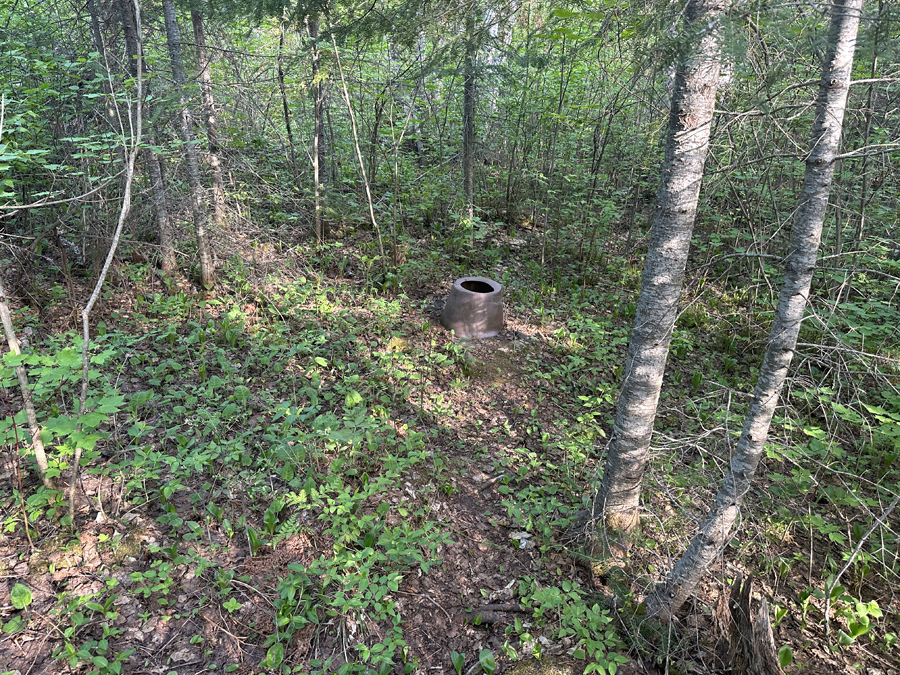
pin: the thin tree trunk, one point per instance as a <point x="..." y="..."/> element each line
<point x="468" y="139"/>
<point x="209" y="115"/>
<point x="131" y="152"/>
<point x="690" y="122"/>
<point x="151" y="158"/>
<point x="319" y="172"/>
<point x="36" y="443"/>
<point x="198" y="199"/>
<point x="101" y="49"/>
<point x="362" y="164"/>
<point x="167" y="261"/>
<point x="284" y="101"/>
<point x="800" y="264"/>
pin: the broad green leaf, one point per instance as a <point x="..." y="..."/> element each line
<point x="275" y="656"/>
<point x="20" y="596"/>
<point x="785" y="656"/>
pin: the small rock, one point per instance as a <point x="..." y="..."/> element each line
<point x="522" y="539"/>
<point x="182" y="655"/>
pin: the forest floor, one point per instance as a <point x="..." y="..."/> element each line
<point x="307" y="473"/>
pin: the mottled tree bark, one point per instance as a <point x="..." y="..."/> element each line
<point x="209" y="118"/>
<point x="151" y="159"/>
<point x="690" y="121"/>
<point x="800" y="264"/>
<point x="468" y="118"/>
<point x="192" y="164"/>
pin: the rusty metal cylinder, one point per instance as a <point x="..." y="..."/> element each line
<point x="474" y="308"/>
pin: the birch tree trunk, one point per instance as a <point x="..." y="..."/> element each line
<point x="468" y="139"/>
<point x="800" y="264"/>
<point x="192" y="164"/>
<point x="690" y="122"/>
<point x="209" y="118"/>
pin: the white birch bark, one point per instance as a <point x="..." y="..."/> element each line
<point x="800" y="264"/>
<point x="690" y="121"/>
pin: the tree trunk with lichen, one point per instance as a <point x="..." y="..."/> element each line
<point x="209" y="119"/>
<point x="617" y="501"/>
<point x="192" y="164"/>
<point x="715" y="531"/>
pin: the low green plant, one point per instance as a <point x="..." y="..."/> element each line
<point x="75" y="614"/>
<point x="564" y="610"/>
<point x="55" y="373"/>
<point x="458" y="661"/>
<point x="487" y="661"/>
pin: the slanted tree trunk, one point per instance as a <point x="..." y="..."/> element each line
<point x="192" y="164"/>
<point x="209" y="117"/>
<point x="150" y="157"/>
<point x="37" y="444"/>
<point x="690" y="122"/>
<point x="468" y="118"/>
<point x="318" y="155"/>
<point x="800" y="264"/>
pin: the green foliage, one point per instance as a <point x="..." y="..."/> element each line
<point x="54" y="379"/>
<point x="785" y="656"/>
<point x="20" y="596"/>
<point x="458" y="661"/>
<point x="487" y="662"/>
<point x="567" y="612"/>
<point x="75" y="614"/>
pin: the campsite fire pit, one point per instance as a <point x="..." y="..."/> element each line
<point x="474" y="308"/>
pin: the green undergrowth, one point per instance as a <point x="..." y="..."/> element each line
<point x="289" y="414"/>
<point x="313" y="408"/>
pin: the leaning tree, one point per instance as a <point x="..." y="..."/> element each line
<point x="690" y="121"/>
<point x="806" y="234"/>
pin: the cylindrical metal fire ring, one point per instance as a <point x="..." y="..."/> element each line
<point x="474" y="308"/>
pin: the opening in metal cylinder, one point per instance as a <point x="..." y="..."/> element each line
<point x="474" y="308"/>
<point x="477" y="286"/>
